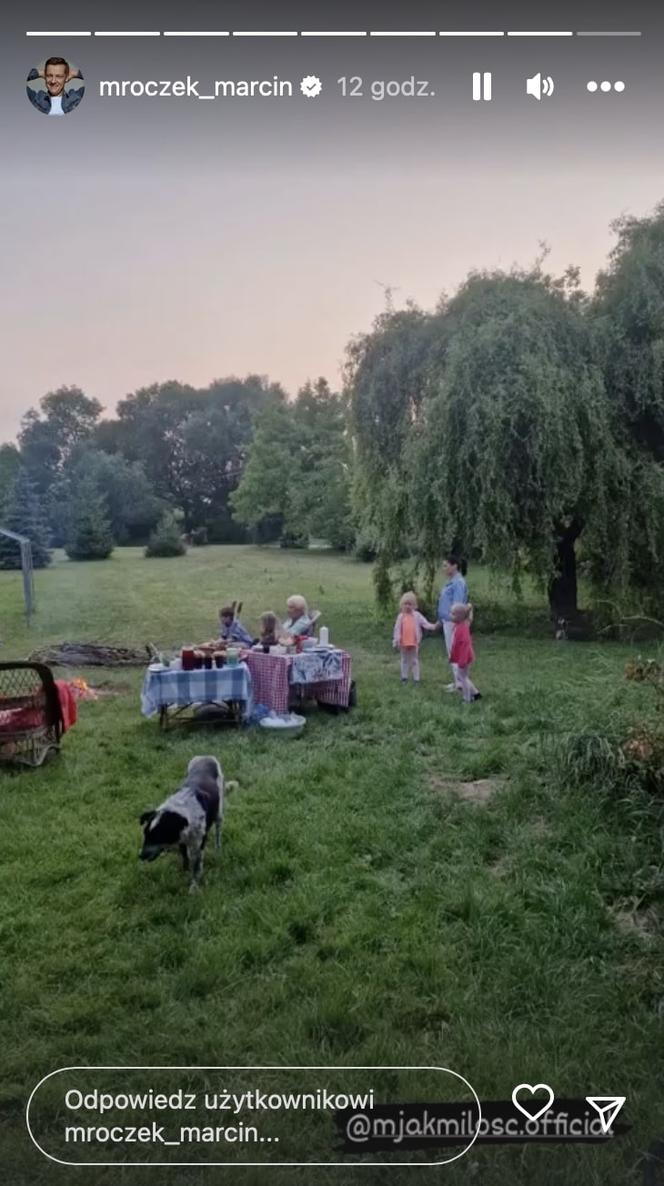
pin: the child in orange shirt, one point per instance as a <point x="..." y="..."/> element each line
<point x="407" y="636"/>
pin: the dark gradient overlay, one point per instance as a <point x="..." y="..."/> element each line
<point x="149" y="238"/>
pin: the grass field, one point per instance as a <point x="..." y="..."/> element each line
<point x="362" y="913"/>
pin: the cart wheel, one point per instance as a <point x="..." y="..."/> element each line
<point x="352" y="695"/>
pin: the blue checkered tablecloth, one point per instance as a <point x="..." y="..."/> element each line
<point x="173" y="686"/>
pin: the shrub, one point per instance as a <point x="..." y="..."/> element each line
<point x="617" y="761"/>
<point x="289" y="540"/>
<point x="644" y="747"/>
<point x="591" y="759"/>
<point x="365" y="549"/>
<point x="166" y="539"/>
<point x="90" y="536"/>
<point x="644" y="751"/>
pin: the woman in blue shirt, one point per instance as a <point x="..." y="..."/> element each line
<point x="455" y="589"/>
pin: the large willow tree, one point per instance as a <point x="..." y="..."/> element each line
<point x="628" y="312"/>
<point x="516" y="459"/>
<point x="387" y="372"/>
<point x="486" y="427"/>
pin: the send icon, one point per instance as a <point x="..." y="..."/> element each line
<point x="607" y="1108"/>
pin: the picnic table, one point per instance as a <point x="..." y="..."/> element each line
<point x="280" y="680"/>
<point x="170" y="691"/>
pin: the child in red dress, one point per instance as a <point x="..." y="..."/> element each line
<point x="461" y="651"/>
<point x="407" y="636"/>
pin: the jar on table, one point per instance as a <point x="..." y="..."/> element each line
<point x="187" y="658"/>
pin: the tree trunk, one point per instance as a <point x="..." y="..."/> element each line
<point x="563" y="601"/>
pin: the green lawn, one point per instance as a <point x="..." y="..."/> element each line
<point x="360" y="914"/>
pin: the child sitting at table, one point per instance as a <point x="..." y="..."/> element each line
<point x="269" y="624"/>
<point x="231" y="628"/>
<point x="298" y="624"/>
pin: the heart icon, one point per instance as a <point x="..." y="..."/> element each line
<point x="528" y="1087"/>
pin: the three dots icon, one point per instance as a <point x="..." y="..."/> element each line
<point x="605" y="86"/>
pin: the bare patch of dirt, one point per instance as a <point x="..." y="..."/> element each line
<point x="479" y="790"/>
<point x="645" y="923"/>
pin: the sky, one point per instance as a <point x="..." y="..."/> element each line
<point x="147" y="239"/>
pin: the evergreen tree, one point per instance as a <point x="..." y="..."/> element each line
<point x="10" y="464"/>
<point x="90" y="536"/>
<point x="23" y="514"/>
<point x="166" y="539"/>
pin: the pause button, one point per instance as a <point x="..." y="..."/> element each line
<point x="482" y="87"/>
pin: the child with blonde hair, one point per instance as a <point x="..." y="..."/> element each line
<point x="407" y="636"/>
<point x="462" y="655"/>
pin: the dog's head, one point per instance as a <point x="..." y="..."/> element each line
<point x="161" y="830"/>
<point x="205" y="766"/>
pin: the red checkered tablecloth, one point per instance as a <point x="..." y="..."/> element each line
<point x="269" y="679"/>
<point x="272" y="685"/>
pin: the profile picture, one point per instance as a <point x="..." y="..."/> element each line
<point x="55" y="87"/>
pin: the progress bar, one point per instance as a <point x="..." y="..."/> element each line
<point x="113" y="33"/>
<point x="329" y="33"/>
<point x="608" y="33"/>
<point x="522" y="33"/>
<point x="199" y="33"/>
<point x="333" y="33"/>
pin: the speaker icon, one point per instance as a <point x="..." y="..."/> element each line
<point x="537" y="86"/>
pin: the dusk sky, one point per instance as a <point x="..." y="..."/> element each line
<point x="149" y="239"/>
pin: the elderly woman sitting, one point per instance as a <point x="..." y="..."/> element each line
<point x="299" y="623"/>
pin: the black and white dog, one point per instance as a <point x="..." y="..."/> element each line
<point x="184" y="820"/>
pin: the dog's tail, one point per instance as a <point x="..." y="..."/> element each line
<point x="231" y="785"/>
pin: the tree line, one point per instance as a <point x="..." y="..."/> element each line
<point x="177" y="462"/>
<point x="520" y="422"/>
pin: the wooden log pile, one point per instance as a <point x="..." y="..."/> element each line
<point x="92" y="654"/>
